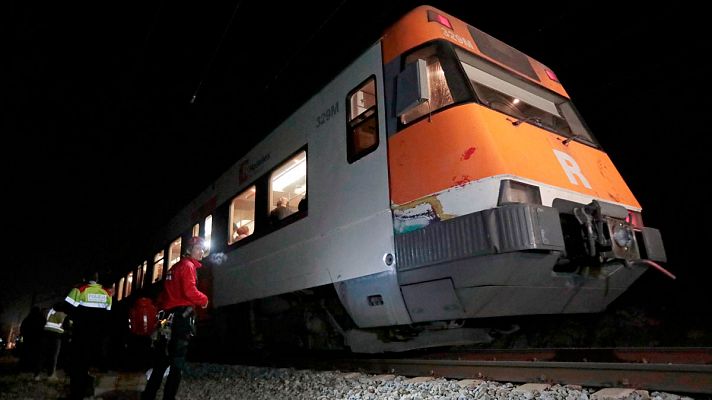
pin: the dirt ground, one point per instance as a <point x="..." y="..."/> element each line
<point x="18" y="385"/>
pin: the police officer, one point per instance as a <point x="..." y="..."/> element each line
<point x="52" y="340"/>
<point x="90" y="305"/>
<point x="178" y="299"/>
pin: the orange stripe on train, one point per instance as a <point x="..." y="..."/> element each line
<point x="471" y="142"/>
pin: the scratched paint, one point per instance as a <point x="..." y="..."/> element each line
<point x="418" y="214"/>
<point x="467" y="154"/>
<point x="461" y="180"/>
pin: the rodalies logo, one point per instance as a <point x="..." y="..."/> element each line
<point x="246" y="170"/>
<point x="243" y="175"/>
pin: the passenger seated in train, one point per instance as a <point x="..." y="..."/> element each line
<point x="280" y="212"/>
<point x="241" y="232"/>
<point x="302" y="204"/>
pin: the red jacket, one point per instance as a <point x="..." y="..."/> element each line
<point x="179" y="288"/>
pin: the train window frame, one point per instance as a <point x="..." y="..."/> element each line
<point x="358" y="122"/>
<point x="141" y="272"/>
<point x="207" y="232"/>
<point x="173" y="248"/>
<point x="459" y="89"/>
<point x="248" y="194"/>
<point x="129" y="284"/>
<point x="296" y="213"/>
<point x="120" y="291"/>
<point x="487" y="80"/>
<point x="157" y="275"/>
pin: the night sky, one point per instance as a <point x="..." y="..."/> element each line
<point x="103" y="144"/>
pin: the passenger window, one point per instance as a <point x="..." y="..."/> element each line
<point x="242" y="216"/>
<point x="362" y="121"/>
<point x="120" y="292"/>
<point x="129" y="284"/>
<point x="141" y="273"/>
<point x="288" y="188"/>
<point x="440" y="94"/>
<point x="158" y="267"/>
<point x="174" y="253"/>
<point x="208" y="232"/>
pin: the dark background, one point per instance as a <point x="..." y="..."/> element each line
<point x="102" y="143"/>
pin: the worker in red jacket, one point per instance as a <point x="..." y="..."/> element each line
<point x="179" y="298"/>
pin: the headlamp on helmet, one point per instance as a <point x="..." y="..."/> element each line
<point x="197" y="241"/>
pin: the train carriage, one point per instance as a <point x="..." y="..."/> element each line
<point x="443" y="176"/>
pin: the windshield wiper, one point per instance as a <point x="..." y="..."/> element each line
<point x="538" y="122"/>
<point x="571" y="138"/>
<point x="535" y="120"/>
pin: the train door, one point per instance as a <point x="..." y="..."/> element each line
<point x="360" y="246"/>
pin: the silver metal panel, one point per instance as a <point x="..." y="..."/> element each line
<point x="432" y="301"/>
<point x="504" y="229"/>
<point x="349" y="228"/>
<point x="412" y="87"/>
<point x="355" y="293"/>
<point x="653" y="243"/>
<point x="521" y="283"/>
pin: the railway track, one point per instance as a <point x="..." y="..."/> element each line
<point x="687" y="370"/>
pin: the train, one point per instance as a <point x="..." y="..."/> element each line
<point x="442" y="177"/>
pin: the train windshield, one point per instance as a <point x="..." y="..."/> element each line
<point x="525" y="102"/>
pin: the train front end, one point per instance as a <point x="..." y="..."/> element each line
<point x="503" y="201"/>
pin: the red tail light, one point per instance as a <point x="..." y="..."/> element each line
<point x="551" y="75"/>
<point x="634" y="218"/>
<point x="432" y="16"/>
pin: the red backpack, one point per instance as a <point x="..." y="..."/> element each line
<point x="143" y="317"/>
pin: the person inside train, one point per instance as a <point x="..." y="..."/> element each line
<point x="242" y="232"/>
<point x="280" y="212"/>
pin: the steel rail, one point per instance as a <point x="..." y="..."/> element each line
<point x="681" y="378"/>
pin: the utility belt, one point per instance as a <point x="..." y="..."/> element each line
<point x="177" y="322"/>
<point x="183" y="311"/>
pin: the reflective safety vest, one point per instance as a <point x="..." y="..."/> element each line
<point x="54" y="321"/>
<point x="92" y="295"/>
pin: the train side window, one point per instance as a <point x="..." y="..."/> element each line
<point x="503" y="91"/>
<point x="440" y="93"/>
<point x="129" y="284"/>
<point x="208" y="232"/>
<point x="174" y="253"/>
<point x="288" y="188"/>
<point x="141" y="273"/>
<point x="157" y="267"/>
<point x="120" y="291"/>
<point x="362" y="120"/>
<point x="242" y="215"/>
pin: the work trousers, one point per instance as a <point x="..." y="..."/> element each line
<point x="51" y="345"/>
<point x="86" y="346"/>
<point x="170" y="353"/>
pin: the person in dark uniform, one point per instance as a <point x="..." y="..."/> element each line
<point x="91" y="304"/>
<point x="31" y="332"/>
<point x="178" y="300"/>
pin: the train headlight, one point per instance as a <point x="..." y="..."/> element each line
<point x="517" y="192"/>
<point x="623" y="235"/>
